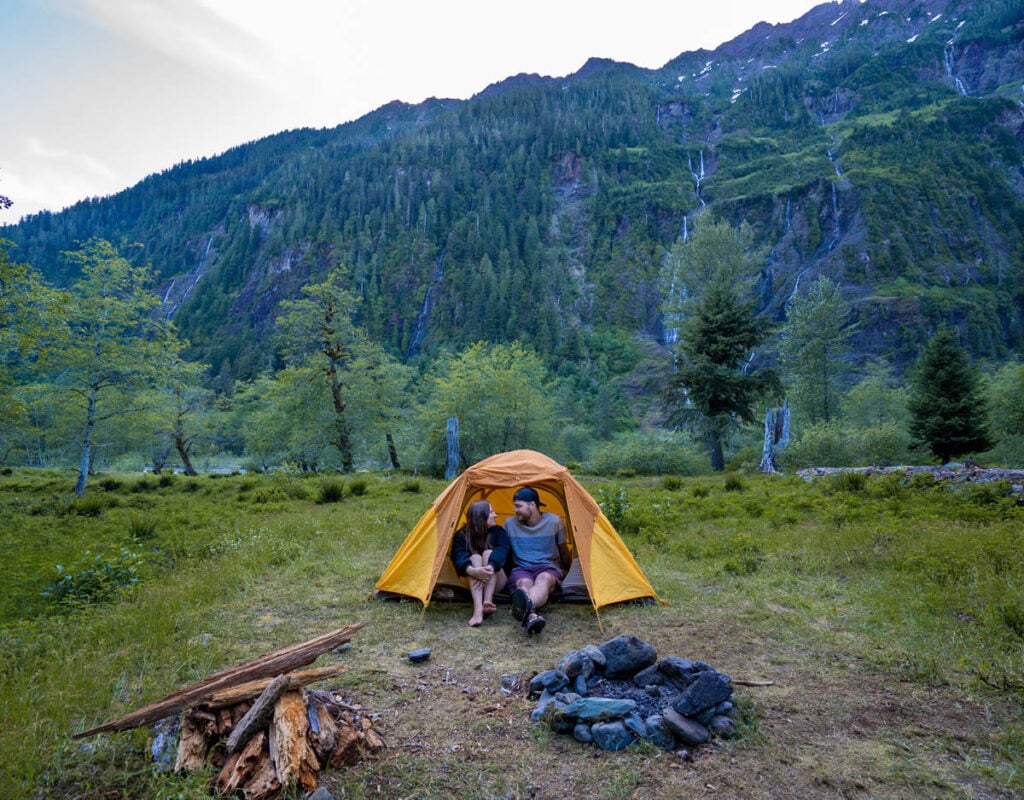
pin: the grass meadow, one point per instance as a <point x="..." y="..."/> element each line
<point x="887" y="614"/>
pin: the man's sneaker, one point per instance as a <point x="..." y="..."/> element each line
<point x="535" y="624"/>
<point x="521" y="605"/>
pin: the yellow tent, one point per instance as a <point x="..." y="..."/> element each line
<point x="603" y="569"/>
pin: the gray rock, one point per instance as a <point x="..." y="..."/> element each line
<point x="552" y="679"/>
<point x="724" y="709"/>
<point x="575" y="663"/>
<point x="580" y="685"/>
<point x="686" y="730"/>
<point x="611" y="735"/>
<point x="708" y="690"/>
<point x="596" y="656"/>
<point x="597" y="709"/>
<point x="724" y="727"/>
<point x="581" y="733"/>
<point x="567" y="697"/>
<point x="658" y="733"/>
<point x="320" y="794"/>
<point x="681" y="672"/>
<point x="635" y="725"/>
<point x="416" y="656"/>
<point x="546" y="699"/>
<point x="651" y="676"/>
<point x="625" y="656"/>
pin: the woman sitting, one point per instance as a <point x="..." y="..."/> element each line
<point x="479" y="551"/>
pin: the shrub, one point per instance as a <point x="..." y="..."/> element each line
<point x="657" y="453"/>
<point x="141" y="528"/>
<point x="746" y="555"/>
<point x="1011" y="613"/>
<point x="672" y="483"/>
<point x="331" y="491"/>
<point x="94" y="579"/>
<point x="165" y="480"/>
<point x="144" y="484"/>
<point x="412" y="485"/>
<point x="357" y="487"/>
<point x="701" y="490"/>
<point x="848" y="481"/>
<point x="88" y="506"/>
<point x="110" y="484"/>
<point x="614" y="504"/>
<point x="734" y="483"/>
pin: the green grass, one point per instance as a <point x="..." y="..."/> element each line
<point x="852" y="595"/>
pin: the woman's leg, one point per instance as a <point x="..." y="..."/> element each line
<point x="476" y="589"/>
<point x="488" y="595"/>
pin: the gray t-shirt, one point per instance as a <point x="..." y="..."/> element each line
<point x="536" y="546"/>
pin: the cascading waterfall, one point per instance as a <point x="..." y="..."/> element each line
<point x="420" y="330"/>
<point x="950" y="61"/>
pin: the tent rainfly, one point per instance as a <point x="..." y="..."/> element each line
<point x="603" y="570"/>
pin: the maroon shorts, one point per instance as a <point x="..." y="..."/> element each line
<point x="532" y="573"/>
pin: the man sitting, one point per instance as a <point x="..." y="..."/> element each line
<point x="540" y="556"/>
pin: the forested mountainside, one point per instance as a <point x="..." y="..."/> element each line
<point x="878" y="142"/>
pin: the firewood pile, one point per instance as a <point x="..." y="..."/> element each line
<point x="260" y="727"/>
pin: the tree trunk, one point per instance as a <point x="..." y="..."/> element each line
<point x="392" y="452"/>
<point x="342" y="431"/>
<point x="776" y="436"/>
<point x="182" y="446"/>
<point x="90" y="425"/>
<point x="715" y="447"/>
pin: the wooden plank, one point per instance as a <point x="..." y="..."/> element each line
<point x="251" y="689"/>
<point x="265" y="666"/>
<point x="257" y="716"/>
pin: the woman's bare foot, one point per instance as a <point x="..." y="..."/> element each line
<point x="476" y="620"/>
<point x="489" y="608"/>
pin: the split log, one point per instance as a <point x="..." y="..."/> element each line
<point x="198" y="729"/>
<point x="290" y="750"/>
<point x="348" y="751"/>
<point x="324" y="735"/>
<point x="266" y="666"/>
<point x="259" y="714"/>
<point x="251" y="689"/>
<point x="372" y="740"/>
<point x="251" y="765"/>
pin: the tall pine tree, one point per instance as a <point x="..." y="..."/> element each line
<point x="948" y="412"/>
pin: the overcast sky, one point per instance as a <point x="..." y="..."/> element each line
<point x="98" y="94"/>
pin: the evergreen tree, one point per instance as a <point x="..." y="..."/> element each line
<point x="813" y="343"/>
<point x="948" y="412"/>
<point x="712" y="389"/>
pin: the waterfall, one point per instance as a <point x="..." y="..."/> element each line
<point x="420" y="330"/>
<point x="698" y="177"/>
<point x="949" y="58"/>
<point x="835" y="211"/>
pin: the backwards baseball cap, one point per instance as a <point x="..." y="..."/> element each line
<point x="527" y="495"/>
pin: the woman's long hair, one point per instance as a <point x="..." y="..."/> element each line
<point x="476" y="526"/>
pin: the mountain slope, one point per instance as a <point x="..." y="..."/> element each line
<point x="877" y="142"/>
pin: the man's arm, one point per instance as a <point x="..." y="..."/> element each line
<point x="564" y="556"/>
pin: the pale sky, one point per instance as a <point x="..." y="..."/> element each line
<point x="98" y="94"/>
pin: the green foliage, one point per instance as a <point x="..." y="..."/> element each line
<point x="671" y="483"/>
<point x="948" y="413"/>
<point x="412" y="486"/>
<point x="94" y="579"/>
<point x="647" y="453"/>
<point x="357" y="487"/>
<point x="614" y="503"/>
<point x="141" y="527"/>
<point x="813" y="345"/>
<point x="331" y="491"/>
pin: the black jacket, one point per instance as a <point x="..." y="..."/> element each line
<point x="500" y="550"/>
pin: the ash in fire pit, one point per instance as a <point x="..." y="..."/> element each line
<point x="619" y="693"/>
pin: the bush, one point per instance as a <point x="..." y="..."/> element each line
<point x="357" y="487"/>
<point x="141" y="528"/>
<point x="88" y="506"/>
<point x="412" y="485"/>
<point x="165" y="480"/>
<point x="639" y="453"/>
<point x="110" y="484"/>
<point x="94" y="579"/>
<point x="734" y="483"/>
<point x="614" y="504"/>
<point x="331" y="491"/>
<point x="835" y="444"/>
<point x="672" y="483"/>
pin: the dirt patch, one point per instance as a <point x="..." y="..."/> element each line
<point x="829" y="726"/>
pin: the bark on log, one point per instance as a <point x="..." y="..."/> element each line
<point x="198" y="730"/>
<point x="258" y="715"/>
<point x="293" y="756"/>
<point x="251" y="689"/>
<point x="266" y="666"/>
